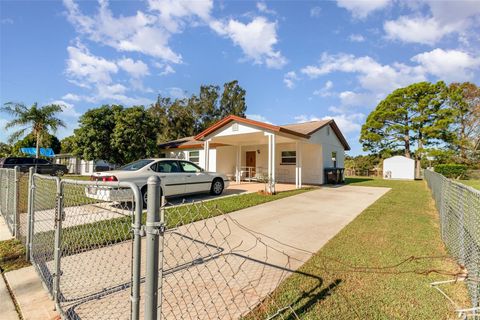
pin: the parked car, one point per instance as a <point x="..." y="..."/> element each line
<point x="41" y="166"/>
<point x="177" y="177"/>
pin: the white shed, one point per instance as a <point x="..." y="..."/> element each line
<point x="399" y="167"/>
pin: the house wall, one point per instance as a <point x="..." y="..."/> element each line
<point x="399" y="167"/>
<point x="226" y="160"/>
<point x="329" y="142"/>
<point x="235" y="128"/>
<point x="185" y="155"/>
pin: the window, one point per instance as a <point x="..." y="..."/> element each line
<point x="166" y="167"/>
<point x="134" y="166"/>
<point x="328" y="130"/>
<point x="194" y="156"/>
<point x="235" y="127"/>
<point x="289" y="157"/>
<point x="42" y="161"/>
<point x="334" y="159"/>
<point x="190" y="167"/>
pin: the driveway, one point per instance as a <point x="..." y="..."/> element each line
<point x="220" y="267"/>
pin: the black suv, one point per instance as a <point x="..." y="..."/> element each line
<point x="41" y="166"/>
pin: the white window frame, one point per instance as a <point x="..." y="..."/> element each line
<point x="197" y="162"/>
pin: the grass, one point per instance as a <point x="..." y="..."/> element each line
<point x="401" y="224"/>
<point x="12" y="255"/>
<point x="89" y="236"/>
<point x="472" y="183"/>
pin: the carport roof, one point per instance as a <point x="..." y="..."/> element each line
<point x="303" y="130"/>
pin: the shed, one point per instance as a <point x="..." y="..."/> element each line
<point x="399" y="167"/>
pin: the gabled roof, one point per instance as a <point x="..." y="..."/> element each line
<point x="303" y="130"/>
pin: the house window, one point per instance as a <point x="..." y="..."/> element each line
<point x="194" y="156"/>
<point x="235" y="127"/>
<point x="328" y="131"/>
<point x="289" y="157"/>
<point x="334" y="159"/>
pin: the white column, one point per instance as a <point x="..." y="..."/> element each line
<point x="269" y="170"/>
<point x="299" y="161"/>
<point x="273" y="164"/>
<point x="237" y="164"/>
<point x="297" y="165"/>
<point x="206" y="148"/>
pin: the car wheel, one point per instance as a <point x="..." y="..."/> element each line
<point x="59" y="173"/>
<point x="217" y="187"/>
<point x="145" y="196"/>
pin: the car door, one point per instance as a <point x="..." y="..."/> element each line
<point x="195" y="179"/>
<point x="171" y="177"/>
<point x="43" y="166"/>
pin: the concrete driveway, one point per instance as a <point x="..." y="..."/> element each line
<point x="220" y="267"/>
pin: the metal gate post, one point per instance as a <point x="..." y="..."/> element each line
<point x="137" y="252"/>
<point x="154" y="230"/>
<point x="31" y="187"/>
<point x="16" y="220"/>
<point x="59" y="215"/>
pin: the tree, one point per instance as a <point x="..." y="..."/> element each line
<point x="48" y="141"/>
<point x="5" y="150"/>
<point x="38" y="120"/>
<point x="94" y="135"/>
<point x="414" y="114"/>
<point x="134" y="135"/>
<point x="233" y="100"/>
<point x="67" y="144"/>
<point x="464" y="101"/>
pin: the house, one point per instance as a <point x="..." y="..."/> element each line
<point x="246" y="149"/>
<point x="399" y="167"/>
<point x="81" y="167"/>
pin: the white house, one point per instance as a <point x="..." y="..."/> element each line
<point x="399" y="167"/>
<point x="245" y="149"/>
<point x="82" y="167"/>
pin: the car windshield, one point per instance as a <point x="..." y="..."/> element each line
<point x="136" y="165"/>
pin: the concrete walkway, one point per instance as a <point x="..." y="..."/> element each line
<point x="4" y="231"/>
<point x="7" y="308"/>
<point x="220" y="267"/>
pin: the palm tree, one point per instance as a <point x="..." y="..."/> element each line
<point x="37" y="120"/>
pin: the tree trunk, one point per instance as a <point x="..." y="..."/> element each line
<point x="37" y="152"/>
<point x="418" y="157"/>
<point x="407" y="146"/>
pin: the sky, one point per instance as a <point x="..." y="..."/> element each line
<point x="298" y="60"/>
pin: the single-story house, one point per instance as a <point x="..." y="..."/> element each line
<point x="399" y="167"/>
<point x="246" y="149"/>
<point x="76" y="165"/>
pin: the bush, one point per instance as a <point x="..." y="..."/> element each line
<point x="454" y="171"/>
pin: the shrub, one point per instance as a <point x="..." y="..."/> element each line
<point x="454" y="171"/>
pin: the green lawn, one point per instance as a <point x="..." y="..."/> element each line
<point x="12" y="255"/>
<point x="355" y="275"/>
<point x="472" y="183"/>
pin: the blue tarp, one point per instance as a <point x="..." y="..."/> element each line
<point x="46" y="152"/>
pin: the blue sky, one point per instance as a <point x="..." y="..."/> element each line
<point x="298" y="60"/>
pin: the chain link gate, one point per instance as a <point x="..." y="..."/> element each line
<point x="8" y="198"/>
<point x="459" y="209"/>
<point x="84" y="242"/>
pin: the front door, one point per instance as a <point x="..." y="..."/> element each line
<point x="251" y="163"/>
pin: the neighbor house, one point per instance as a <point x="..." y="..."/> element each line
<point x="76" y="165"/>
<point x="245" y="149"/>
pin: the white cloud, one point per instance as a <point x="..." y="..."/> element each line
<point x="325" y="91"/>
<point x="289" y="79"/>
<point x="258" y="117"/>
<point x="449" y="65"/>
<point x="68" y="109"/>
<point x="262" y="7"/>
<point x="174" y="14"/>
<point x="348" y="122"/>
<point x="166" y="68"/>
<point x="256" y="39"/>
<point x="356" y="38"/>
<point x="176" y="93"/>
<point x="315" y="12"/>
<point x="373" y="76"/>
<point x="139" y="33"/>
<point x="361" y="9"/>
<point x="354" y="99"/>
<point x="445" y="18"/>
<point x="72" y="97"/>
<point x="136" y="69"/>
<point x="6" y="21"/>
<point x="85" y="67"/>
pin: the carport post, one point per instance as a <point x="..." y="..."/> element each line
<point x="154" y="232"/>
<point x="31" y="187"/>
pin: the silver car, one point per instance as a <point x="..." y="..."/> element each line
<point x="178" y="177"/>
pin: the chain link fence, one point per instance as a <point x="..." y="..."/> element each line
<point x="459" y="208"/>
<point x="13" y="201"/>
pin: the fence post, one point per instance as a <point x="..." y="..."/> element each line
<point x="31" y="194"/>
<point x="16" y="220"/>
<point x="137" y="253"/>
<point x="154" y="231"/>
<point x="57" y="246"/>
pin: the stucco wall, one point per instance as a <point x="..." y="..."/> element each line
<point x="327" y="138"/>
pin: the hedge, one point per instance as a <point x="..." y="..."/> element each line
<point x="454" y="171"/>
